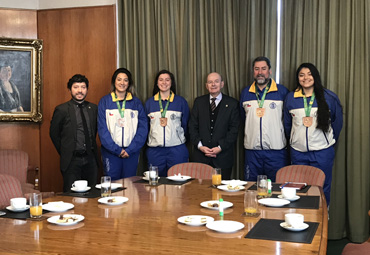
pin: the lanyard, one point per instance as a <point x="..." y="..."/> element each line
<point x="260" y="102"/>
<point x="163" y="111"/>
<point x="307" y="109"/>
<point x="121" y="110"/>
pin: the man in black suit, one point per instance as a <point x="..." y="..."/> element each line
<point x="213" y="127"/>
<point x="73" y="132"/>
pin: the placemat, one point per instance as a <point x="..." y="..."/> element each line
<point x="18" y="215"/>
<point x="93" y="193"/>
<point x="305" y="202"/>
<point x="268" y="229"/>
<point x="276" y="187"/>
<point x="165" y="181"/>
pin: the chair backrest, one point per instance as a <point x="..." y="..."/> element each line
<point x="301" y="173"/>
<point x="10" y="187"/>
<point x="195" y="170"/>
<point x="14" y="163"/>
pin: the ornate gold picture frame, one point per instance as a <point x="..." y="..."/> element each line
<point x="20" y="79"/>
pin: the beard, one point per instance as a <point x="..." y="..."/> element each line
<point x="79" y="100"/>
<point x="261" y="80"/>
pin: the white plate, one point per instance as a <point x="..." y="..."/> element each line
<point x="80" y="190"/>
<point x="234" y="182"/>
<point x="57" y="206"/>
<point x="195" y="220"/>
<point x="180" y="178"/>
<point x="10" y="208"/>
<point x="224" y="203"/>
<point x="225" y="226"/>
<point x="117" y="200"/>
<point x="146" y="178"/>
<point x="274" y="202"/>
<point x="289" y="227"/>
<point x="55" y="219"/>
<point x="224" y="188"/>
<point x="290" y="199"/>
<point x="113" y="186"/>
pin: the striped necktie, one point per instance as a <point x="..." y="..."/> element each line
<point x="213" y="104"/>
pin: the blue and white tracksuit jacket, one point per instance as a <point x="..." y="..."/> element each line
<point x="310" y="145"/>
<point x="264" y="138"/>
<point x="113" y="137"/>
<point x="167" y="144"/>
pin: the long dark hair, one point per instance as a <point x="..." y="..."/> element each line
<point x="173" y="82"/>
<point x="323" y="113"/>
<point x="129" y="76"/>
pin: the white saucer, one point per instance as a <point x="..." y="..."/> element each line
<point x="116" y="200"/>
<point x="273" y="202"/>
<point x="207" y="204"/>
<point x="80" y="190"/>
<point x="57" y="206"/>
<point x="225" y="188"/>
<point x="290" y="199"/>
<point x="290" y="228"/>
<point x="225" y="226"/>
<point x="10" y="208"/>
<point x="113" y="186"/>
<point x="195" y="220"/>
<point x="234" y="182"/>
<point x="55" y="219"/>
<point x="180" y="178"/>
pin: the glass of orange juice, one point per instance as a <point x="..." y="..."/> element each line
<point x="216" y="177"/>
<point x="35" y="205"/>
<point x="250" y="203"/>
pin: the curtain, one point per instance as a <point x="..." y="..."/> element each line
<point x="334" y="35"/>
<point x="193" y="38"/>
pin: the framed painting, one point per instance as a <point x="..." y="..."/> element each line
<point x="20" y="79"/>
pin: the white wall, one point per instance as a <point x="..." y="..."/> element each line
<point x="52" y="4"/>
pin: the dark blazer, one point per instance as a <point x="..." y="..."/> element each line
<point x="225" y="130"/>
<point x="63" y="128"/>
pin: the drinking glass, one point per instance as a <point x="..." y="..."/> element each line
<point x="35" y="205"/>
<point x="262" y="186"/>
<point x="153" y="175"/>
<point x="105" y="186"/>
<point x="216" y="177"/>
<point x="250" y="203"/>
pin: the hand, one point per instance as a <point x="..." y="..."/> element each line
<point x="212" y="153"/>
<point x="123" y="154"/>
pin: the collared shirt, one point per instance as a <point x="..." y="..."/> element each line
<point x="218" y="99"/>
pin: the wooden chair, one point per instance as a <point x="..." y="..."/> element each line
<point x="195" y="170"/>
<point x="10" y="187"/>
<point x="357" y="249"/>
<point x="301" y="173"/>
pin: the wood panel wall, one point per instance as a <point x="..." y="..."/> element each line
<point x="16" y="135"/>
<point x="78" y="40"/>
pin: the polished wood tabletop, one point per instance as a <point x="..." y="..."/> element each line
<point x="147" y="224"/>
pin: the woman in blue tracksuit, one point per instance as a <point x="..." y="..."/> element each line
<point x="168" y="116"/>
<point x="313" y="121"/>
<point x="122" y="127"/>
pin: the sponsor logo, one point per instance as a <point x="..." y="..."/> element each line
<point x="273" y="105"/>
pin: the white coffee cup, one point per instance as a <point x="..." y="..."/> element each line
<point x="18" y="202"/>
<point x="80" y="185"/>
<point x="288" y="192"/>
<point x="294" y="219"/>
<point x="146" y="174"/>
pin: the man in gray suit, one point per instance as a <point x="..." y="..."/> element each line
<point x="73" y="132"/>
<point x="213" y="127"/>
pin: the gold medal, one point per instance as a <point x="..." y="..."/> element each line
<point x="163" y="122"/>
<point x="307" y="121"/>
<point x="260" y="112"/>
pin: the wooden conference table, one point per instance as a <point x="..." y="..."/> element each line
<point x="147" y="224"/>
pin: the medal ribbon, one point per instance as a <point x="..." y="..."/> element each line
<point x="260" y="102"/>
<point x="121" y="110"/>
<point x="163" y="111"/>
<point x="307" y="109"/>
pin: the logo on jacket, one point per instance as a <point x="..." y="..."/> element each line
<point x="173" y="116"/>
<point x="272" y="105"/>
<point x="132" y="115"/>
<point x="111" y="114"/>
<point x="249" y="105"/>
